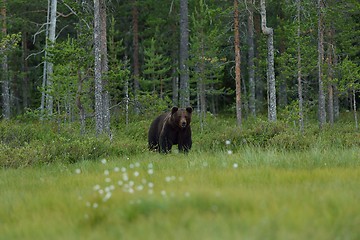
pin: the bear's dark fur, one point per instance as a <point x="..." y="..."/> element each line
<point x="170" y="129"/>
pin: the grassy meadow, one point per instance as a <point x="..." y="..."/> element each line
<point x="264" y="182"/>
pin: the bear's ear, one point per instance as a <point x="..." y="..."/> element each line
<point x="189" y="109"/>
<point x="174" y="110"/>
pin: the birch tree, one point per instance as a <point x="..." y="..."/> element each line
<point x="98" y="74"/>
<point x="50" y="29"/>
<point x="50" y="66"/>
<point x="270" y="64"/>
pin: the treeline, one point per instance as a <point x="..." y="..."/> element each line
<point x="156" y="53"/>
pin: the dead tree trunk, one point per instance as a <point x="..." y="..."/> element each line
<point x="270" y="64"/>
<point x="49" y="65"/>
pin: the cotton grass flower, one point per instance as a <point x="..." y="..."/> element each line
<point x="78" y="171"/>
<point x="103" y="161"/>
<point x="107" y="196"/>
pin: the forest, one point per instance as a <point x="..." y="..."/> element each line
<point x="274" y="87"/>
<point x="106" y="61"/>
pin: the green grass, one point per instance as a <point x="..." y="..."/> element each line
<point x="252" y="194"/>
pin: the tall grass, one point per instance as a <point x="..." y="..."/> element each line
<point x="265" y="181"/>
<point x="254" y="194"/>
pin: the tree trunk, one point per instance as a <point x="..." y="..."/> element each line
<point x="330" y="71"/>
<point x="322" y="109"/>
<point x="79" y="103"/>
<point x="270" y="64"/>
<point x="354" y="108"/>
<point x="175" y="85"/>
<point x="299" y="67"/>
<point x="104" y="67"/>
<point x="98" y="72"/>
<point x="184" y="54"/>
<point x="136" y="64"/>
<point x="201" y="88"/>
<point x="336" y="94"/>
<point x="4" y="66"/>
<point x="43" y="85"/>
<point x="237" y="64"/>
<point x="52" y="30"/>
<point x="25" y="78"/>
<point x="251" y="54"/>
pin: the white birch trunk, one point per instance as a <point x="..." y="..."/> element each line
<point x="98" y="74"/>
<point x="49" y="65"/>
<point x="270" y="64"/>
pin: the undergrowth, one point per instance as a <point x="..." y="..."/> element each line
<point x="23" y="144"/>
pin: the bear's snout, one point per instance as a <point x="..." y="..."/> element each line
<point x="183" y="124"/>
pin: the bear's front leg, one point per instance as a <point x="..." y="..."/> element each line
<point x="165" y="144"/>
<point x="184" y="147"/>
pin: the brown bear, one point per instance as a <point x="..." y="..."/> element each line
<point x="170" y="129"/>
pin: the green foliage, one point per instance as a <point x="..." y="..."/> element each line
<point x="71" y="77"/>
<point x="156" y="70"/>
<point x="9" y="42"/>
<point x="151" y="104"/>
<point x="350" y="76"/>
<point x="207" y="60"/>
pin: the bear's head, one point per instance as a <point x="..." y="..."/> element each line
<point x="181" y="116"/>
